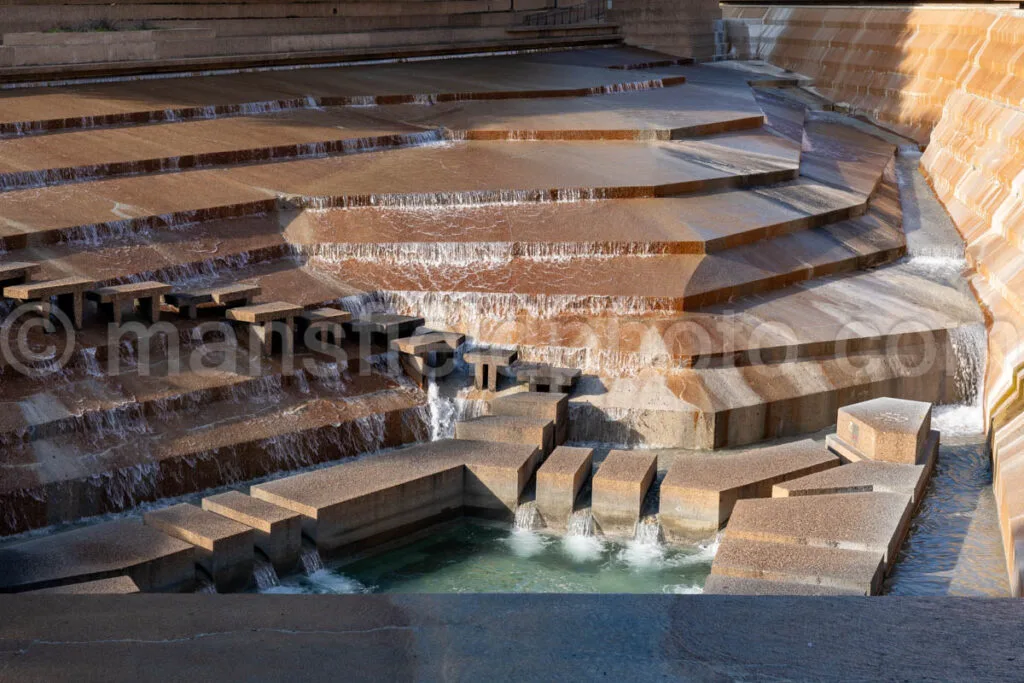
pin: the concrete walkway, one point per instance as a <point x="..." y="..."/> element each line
<point x="505" y="637"/>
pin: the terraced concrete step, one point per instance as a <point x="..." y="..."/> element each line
<point x="463" y="173"/>
<point x="847" y="570"/>
<point x="717" y="584"/>
<point x="861" y="477"/>
<point x="154" y="561"/>
<point x="69" y="477"/>
<point x="699" y="492"/>
<point x="679" y="225"/>
<point x="374" y="499"/>
<point x="86" y="106"/>
<point x="277" y="531"/>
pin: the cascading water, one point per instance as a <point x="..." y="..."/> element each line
<point x="526" y="517"/>
<point x="264" y="573"/>
<point x="968" y="345"/>
<point x="204" y="584"/>
<point x="646" y="549"/>
<point x="310" y="558"/>
<point x="580" y="543"/>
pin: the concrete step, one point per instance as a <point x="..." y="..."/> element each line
<point x="698" y="493"/>
<point x="559" y="482"/>
<point x="867" y="522"/>
<point x="372" y="500"/>
<point x="539" y="432"/>
<point x="620" y="486"/>
<point x="154" y="561"/>
<point x="224" y="548"/>
<point x="845" y="570"/>
<point x="277" y="531"/>
<point x="537" y="405"/>
<point x="68" y="477"/>
<point x="861" y="477"/>
<point x="717" y="584"/>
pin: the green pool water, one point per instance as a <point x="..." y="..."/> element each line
<point x="477" y="558"/>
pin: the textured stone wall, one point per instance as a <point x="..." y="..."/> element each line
<point x="685" y="28"/>
<point x="951" y="79"/>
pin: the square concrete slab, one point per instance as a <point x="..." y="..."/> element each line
<point x="700" y="490"/>
<point x="224" y="547"/>
<point x="538" y="432"/>
<point x="278" y="530"/>
<point x="858" y="477"/>
<point x="876" y="522"/>
<point x="154" y="561"/>
<point x="619" y="489"/>
<point x="559" y="481"/>
<point x="886" y="429"/>
<point x="549" y="406"/>
<point x="854" y="570"/>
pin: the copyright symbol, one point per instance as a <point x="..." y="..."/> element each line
<point x="28" y="351"/>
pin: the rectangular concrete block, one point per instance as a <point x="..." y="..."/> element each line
<point x="619" y="489"/>
<point x="224" y="548"/>
<point x="559" y="481"/>
<point x="537" y="432"/>
<point x="886" y="429"/>
<point x="155" y="561"/>
<point x="718" y="584"/>
<point x="848" y="570"/>
<point x="369" y="501"/>
<point x="700" y="490"/>
<point x="549" y="406"/>
<point x="118" y="585"/>
<point x="496" y="474"/>
<point x="278" y="531"/>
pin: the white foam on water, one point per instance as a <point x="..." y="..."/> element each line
<point x="327" y="581"/>
<point x="642" y="555"/>
<point x="683" y="589"/>
<point x="583" y="549"/>
<point x="958" y="420"/>
<point x="526" y="543"/>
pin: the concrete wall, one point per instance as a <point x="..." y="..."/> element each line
<point x="684" y="28"/>
<point x="950" y="78"/>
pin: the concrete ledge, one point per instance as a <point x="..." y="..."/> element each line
<point x="118" y="585"/>
<point x="619" y="489"/>
<point x="537" y="432"/>
<point x="154" y="561"/>
<point x="553" y="407"/>
<point x="278" y="532"/>
<point x="224" y="548"/>
<point x="700" y="490"/>
<point x="559" y="481"/>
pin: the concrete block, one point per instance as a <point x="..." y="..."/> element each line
<point x="537" y="432"/>
<point x="496" y="474"/>
<point x="853" y="570"/>
<point x="717" y="584"/>
<point x="223" y="547"/>
<point x="876" y="522"/>
<point x="117" y="585"/>
<point x="559" y="481"/>
<point x="553" y="407"/>
<point x="859" y="477"/>
<point x="700" y="490"/>
<point x="278" y="531"/>
<point x="886" y="429"/>
<point x="619" y="489"/>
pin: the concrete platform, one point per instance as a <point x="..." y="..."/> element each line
<point x="700" y="490"/>
<point x="278" y="532"/>
<point x="860" y="477"/>
<point x="559" y="481"/>
<point x="496" y="474"/>
<point x="717" y="584"/>
<point x="224" y="547"/>
<point x="153" y="560"/>
<point x="548" y="406"/>
<point x="846" y="570"/>
<point x="537" y="432"/>
<point x="869" y="522"/>
<point x="619" y="488"/>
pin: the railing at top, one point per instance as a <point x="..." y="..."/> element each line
<point x="591" y="10"/>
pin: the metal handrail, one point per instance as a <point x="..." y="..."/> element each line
<point x="589" y="10"/>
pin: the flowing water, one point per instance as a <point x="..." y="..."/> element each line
<point x="473" y="558"/>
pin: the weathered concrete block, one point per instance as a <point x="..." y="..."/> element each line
<point x="538" y="432"/>
<point x="223" y="547"/>
<point x="117" y="585"/>
<point x="366" y="502"/>
<point x="278" y="531"/>
<point x="718" y="584"/>
<point x="620" y="486"/>
<point x="559" y="481"/>
<point x="885" y="429"/>
<point x="496" y="474"/>
<point x="550" y="406"/>
<point x="154" y="561"/>
<point x="848" y="570"/>
<point x="876" y="522"/>
<point x="699" y="491"/>
<point x="859" y="477"/>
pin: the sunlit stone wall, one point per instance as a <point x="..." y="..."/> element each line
<point x="950" y="78"/>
